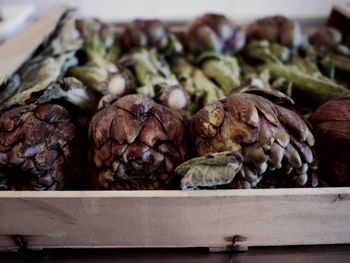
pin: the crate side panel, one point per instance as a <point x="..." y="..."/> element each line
<point x="196" y="221"/>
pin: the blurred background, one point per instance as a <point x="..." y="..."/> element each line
<point x="181" y="9"/>
<point x="16" y="13"/>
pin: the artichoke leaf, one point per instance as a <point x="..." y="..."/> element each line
<point x="210" y="170"/>
<point x="69" y="89"/>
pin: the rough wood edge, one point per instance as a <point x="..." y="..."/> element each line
<point x="16" y="50"/>
<point x="177" y="193"/>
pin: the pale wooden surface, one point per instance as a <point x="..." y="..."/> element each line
<point x="264" y="217"/>
<point x="20" y="47"/>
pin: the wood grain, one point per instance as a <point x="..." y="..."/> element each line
<point x="263" y="217"/>
<point x="19" y="48"/>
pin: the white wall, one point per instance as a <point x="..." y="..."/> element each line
<point x="122" y="10"/>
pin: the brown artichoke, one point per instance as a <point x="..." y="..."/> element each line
<point x="38" y="148"/>
<point x="135" y="144"/>
<point x="331" y="122"/>
<point x="268" y="137"/>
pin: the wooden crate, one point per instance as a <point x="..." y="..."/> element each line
<point x="218" y="219"/>
<point x="215" y="219"/>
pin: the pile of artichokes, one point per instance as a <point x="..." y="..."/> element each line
<point x="211" y="106"/>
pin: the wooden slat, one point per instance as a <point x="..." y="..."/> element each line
<point x="19" y="48"/>
<point x="175" y="218"/>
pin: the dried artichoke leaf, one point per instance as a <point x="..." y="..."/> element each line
<point x="10" y="88"/>
<point x="69" y="89"/>
<point x="209" y="170"/>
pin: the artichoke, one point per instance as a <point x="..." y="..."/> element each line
<point x="326" y="38"/>
<point x="216" y="33"/>
<point x="331" y="52"/>
<point x="331" y="123"/>
<point x="212" y="39"/>
<point x="38" y="148"/>
<point x="135" y="144"/>
<point x="247" y="140"/>
<point x="276" y="29"/>
<point x="150" y="34"/>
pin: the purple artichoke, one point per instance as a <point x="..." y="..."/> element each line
<point x="136" y="144"/>
<point x="276" y="29"/>
<point x="250" y="134"/>
<point x="215" y="33"/>
<point x="38" y="148"/>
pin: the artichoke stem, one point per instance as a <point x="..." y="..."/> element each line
<point x="101" y="80"/>
<point x="319" y="89"/>
<point x="341" y="62"/>
<point x="174" y="97"/>
<point x="224" y="71"/>
<point x="90" y="76"/>
<point x="201" y="89"/>
<point x="117" y="84"/>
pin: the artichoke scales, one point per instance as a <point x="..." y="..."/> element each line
<point x="269" y="137"/>
<point x="136" y="144"/>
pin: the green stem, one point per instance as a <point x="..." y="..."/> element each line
<point x="341" y="62"/>
<point x="224" y="71"/>
<point x="319" y="89"/>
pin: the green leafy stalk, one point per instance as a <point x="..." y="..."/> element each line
<point x="155" y="79"/>
<point x="224" y="70"/>
<point x="340" y="62"/>
<point x="201" y="90"/>
<point x="305" y="76"/>
<point x="319" y="89"/>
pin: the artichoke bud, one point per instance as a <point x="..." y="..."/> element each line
<point x="333" y="54"/>
<point x="38" y="148"/>
<point x="136" y="144"/>
<point x="331" y="122"/>
<point x="326" y="39"/>
<point x="209" y="170"/>
<point x="99" y="38"/>
<point x="214" y="33"/>
<point x="277" y="29"/>
<point x="141" y="34"/>
<point x="257" y="125"/>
